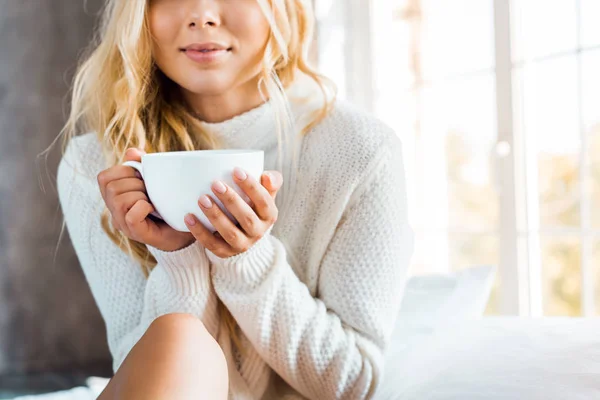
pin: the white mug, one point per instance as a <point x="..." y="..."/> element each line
<point x="176" y="180"/>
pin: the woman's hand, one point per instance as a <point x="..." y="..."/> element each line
<point x="254" y="220"/>
<point x="125" y="196"/>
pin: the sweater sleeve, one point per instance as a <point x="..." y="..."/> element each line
<point x="128" y="302"/>
<point x="331" y="346"/>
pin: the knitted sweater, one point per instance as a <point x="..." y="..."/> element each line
<point x="315" y="298"/>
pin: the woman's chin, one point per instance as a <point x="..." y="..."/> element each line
<point x="208" y="87"/>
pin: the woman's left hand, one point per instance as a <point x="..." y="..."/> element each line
<point x="254" y="220"/>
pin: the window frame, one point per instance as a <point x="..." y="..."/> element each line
<point x="519" y="232"/>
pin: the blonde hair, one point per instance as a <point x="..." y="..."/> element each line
<point x="119" y="93"/>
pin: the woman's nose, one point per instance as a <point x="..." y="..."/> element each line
<point x="205" y="14"/>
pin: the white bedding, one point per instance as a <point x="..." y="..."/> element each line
<point x="95" y="386"/>
<point x="498" y="358"/>
<point x="444" y="349"/>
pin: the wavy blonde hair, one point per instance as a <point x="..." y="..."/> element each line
<point x="119" y="93"/>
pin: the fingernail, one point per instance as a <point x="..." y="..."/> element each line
<point x="190" y="220"/>
<point x="240" y="173"/>
<point x="205" y="201"/>
<point x="219" y="187"/>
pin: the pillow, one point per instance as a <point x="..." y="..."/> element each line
<point x="436" y="298"/>
<point x="431" y="301"/>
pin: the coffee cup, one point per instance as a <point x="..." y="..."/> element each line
<point x="176" y="180"/>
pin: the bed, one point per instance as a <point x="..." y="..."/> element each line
<point x="443" y="348"/>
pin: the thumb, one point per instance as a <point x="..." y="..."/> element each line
<point x="134" y="154"/>
<point x="272" y="181"/>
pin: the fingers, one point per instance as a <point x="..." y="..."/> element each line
<point x="120" y="186"/>
<point x="264" y="204"/>
<point x="119" y="171"/>
<point x="229" y="239"/>
<point x="134" y="154"/>
<point x="272" y="181"/>
<point x="240" y="210"/>
<point x="137" y="223"/>
<point x="116" y="188"/>
<point x="229" y="232"/>
<point x="112" y="174"/>
<point x="122" y="204"/>
<point x="204" y="236"/>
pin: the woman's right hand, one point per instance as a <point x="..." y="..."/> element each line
<point x="125" y="196"/>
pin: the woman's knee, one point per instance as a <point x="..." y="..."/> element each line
<point x="176" y="357"/>
<point x="186" y="341"/>
<point x="178" y="325"/>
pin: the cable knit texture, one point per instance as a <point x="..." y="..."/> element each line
<point x="315" y="298"/>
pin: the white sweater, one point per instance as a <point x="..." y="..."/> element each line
<point x="316" y="298"/>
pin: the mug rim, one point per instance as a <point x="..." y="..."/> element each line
<point x="212" y="152"/>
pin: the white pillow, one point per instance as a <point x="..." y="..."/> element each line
<point x="430" y="302"/>
<point x="433" y="300"/>
<point x="460" y="293"/>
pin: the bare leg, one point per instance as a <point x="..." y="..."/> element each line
<point x="175" y="359"/>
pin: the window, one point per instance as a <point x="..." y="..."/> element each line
<point x="498" y="106"/>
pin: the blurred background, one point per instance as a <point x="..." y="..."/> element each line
<point x="497" y="104"/>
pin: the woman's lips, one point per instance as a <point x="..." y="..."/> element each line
<point x="207" y="55"/>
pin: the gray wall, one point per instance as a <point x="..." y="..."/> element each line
<point x="48" y="318"/>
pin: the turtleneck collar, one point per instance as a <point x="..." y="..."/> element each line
<point x="253" y="129"/>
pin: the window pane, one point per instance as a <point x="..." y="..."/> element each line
<point x="431" y="253"/>
<point x="474" y="250"/>
<point x="561" y="276"/>
<point x="552" y="127"/>
<point x="596" y="272"/>
<point x="591" y="88"/>
<point x="459" y="133"/>
<point x="594" y="186"/>
<point x="591" y="117"/>
<point x="590" y="28"/>
<point x="398" y="22"/>
<point x="457" y="36"/>
<point x="455" y="133"/>
<point x="559" y="189"/>
<point x="544" y="27"/>
<point x="332" y="36"/>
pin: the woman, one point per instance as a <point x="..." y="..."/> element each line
<point x="297" y="301"/>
